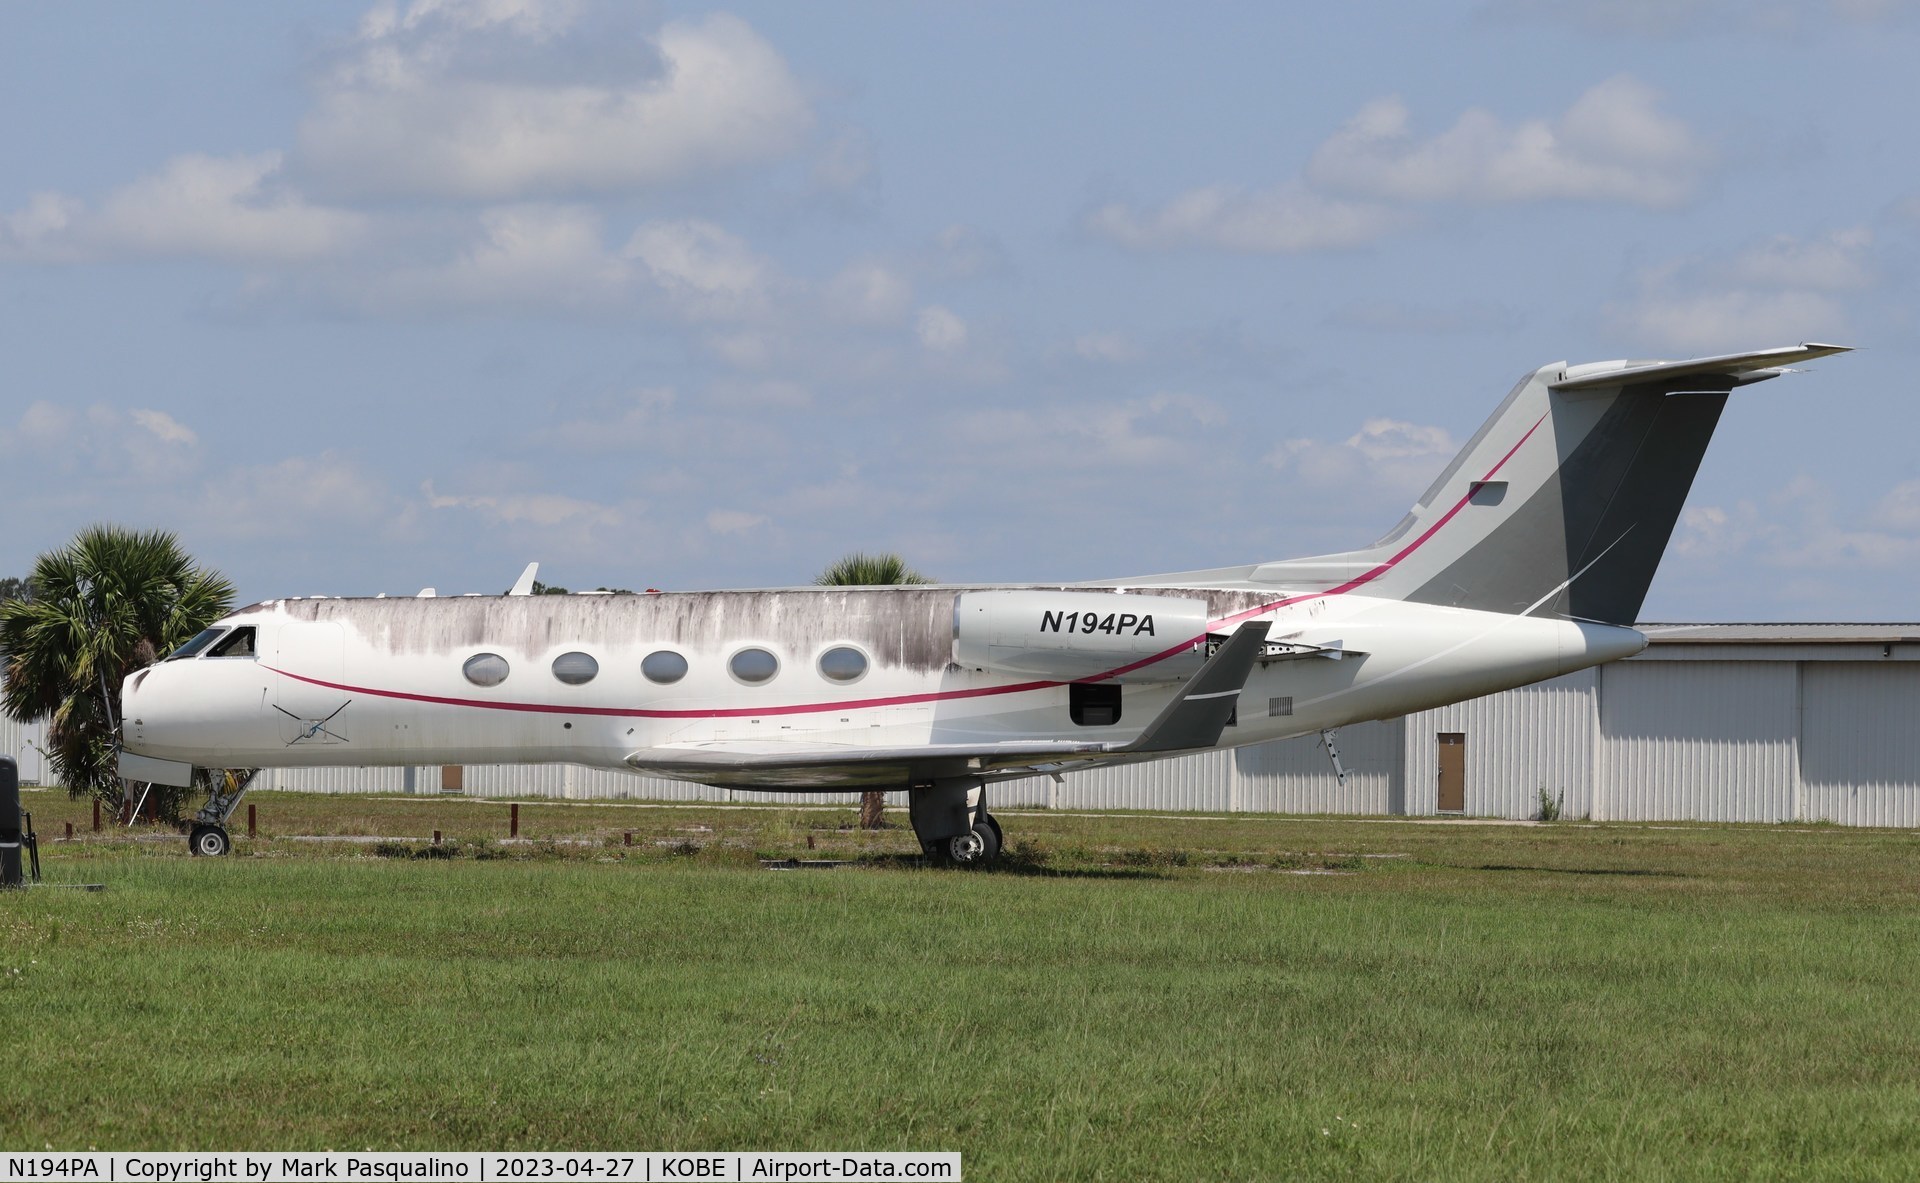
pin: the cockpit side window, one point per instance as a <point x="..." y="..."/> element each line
<point x="192" y="648"/>
<point x="238" y="643"/>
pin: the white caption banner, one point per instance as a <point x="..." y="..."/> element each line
<point x="465" y="1167"/>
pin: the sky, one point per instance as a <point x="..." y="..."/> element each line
<point x="368" y="298"/>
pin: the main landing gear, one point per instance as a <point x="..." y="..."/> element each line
<point x="951" y="820"/>
<point x="225" y="786"/>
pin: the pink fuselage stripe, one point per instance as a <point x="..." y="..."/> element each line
<point x="1360" y="580"/>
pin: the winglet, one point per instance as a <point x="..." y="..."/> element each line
<point x="523" y="586"/>
<point x="1199" y="713"/>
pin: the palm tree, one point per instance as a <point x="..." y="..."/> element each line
<point x="106" y="604"/>
<point x="860" y="569"/>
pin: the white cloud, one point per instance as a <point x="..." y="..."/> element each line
<point x="165" y="427"/>
<point x="1612" y="144"/>
<point x="1900" y="508"/>
<point x="1779" y="290"/>
<point x="43" y="423"/>
<point x="294" y="495"/>
<point x="101" y="444"/>
<point x="1802" y="527"/>
<point x="542" y="255"/>
<point x="1286" y="219"/>
<point x="870" y="293"/>
<point x="1387" y="460"/>
<point x="706" y="271"/>
<point x="844" y="163"/>
<point x="940" y="330"/>
<point x="537" y="509"/>
<point x="536" y="19"/>
<point x="734" y="521"/>
<point x="961" y="251"/>
<point x="1835" y="262"/>
<point x="234" y="208"/>
<point x="1707" y="322"/>
<point x="1166" y="429"/>
<point x="637" y="420"/>
<point x="422" y="109"/>
<point x="1106" y="347"/>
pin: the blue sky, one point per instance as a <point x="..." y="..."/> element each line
<point x="370" y="298"/>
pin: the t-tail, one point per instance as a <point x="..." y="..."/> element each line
<point x="1561" y="504"/>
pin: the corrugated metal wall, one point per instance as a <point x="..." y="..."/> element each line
<point x="1295" y="775"/>
<point x="1704" y="740"/>
<point x="1860" y="743"/>
<point x="1518" y="743"/>
<point x="21" y="741"/>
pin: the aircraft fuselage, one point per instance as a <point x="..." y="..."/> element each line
<point x="582" y="679"/>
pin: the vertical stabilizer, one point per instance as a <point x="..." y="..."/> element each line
<point x="1563" y="502"/>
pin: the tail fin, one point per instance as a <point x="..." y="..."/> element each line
<point x="1564" y="500"/>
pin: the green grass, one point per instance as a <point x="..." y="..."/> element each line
<point x="1136" y="997"/>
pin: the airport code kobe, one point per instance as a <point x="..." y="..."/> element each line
<point x="1114" y="623"/>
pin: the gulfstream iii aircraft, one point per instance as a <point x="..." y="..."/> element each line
<point x="1527" y="558"/>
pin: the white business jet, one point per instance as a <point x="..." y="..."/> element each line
<point x="1527" y="558"/>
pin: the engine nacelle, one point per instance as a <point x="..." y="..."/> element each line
<point x="1065" y="635"/>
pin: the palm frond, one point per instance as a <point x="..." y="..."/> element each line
<point x="864" y="570"/>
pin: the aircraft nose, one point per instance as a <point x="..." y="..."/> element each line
<point x="132" y="717"/>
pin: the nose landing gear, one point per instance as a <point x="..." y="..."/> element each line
<point x="225" y="786"/>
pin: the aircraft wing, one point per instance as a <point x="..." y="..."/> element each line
<point x="801" y="765"/>
<point x="1194" y="719"/>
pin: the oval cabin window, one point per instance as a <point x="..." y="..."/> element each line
<point x="575" y="669"/>
<point x="485" y="669"/>
<point x="754" y="665"/>
<point x="664" y="667"/>
<point x="843" y="663"/>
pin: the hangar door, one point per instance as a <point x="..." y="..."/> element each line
<point x="1860" y="746"/>
<point x="1698" y="740"/>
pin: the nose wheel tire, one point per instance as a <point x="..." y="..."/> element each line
<point x="978" y="846"/>
<point x="209" y="841"/>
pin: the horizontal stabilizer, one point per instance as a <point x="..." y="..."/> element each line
<point x="1605" y="374"/>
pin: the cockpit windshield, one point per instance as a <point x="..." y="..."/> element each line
<point x="192" y="648"/>
<point x="238" y="643"/>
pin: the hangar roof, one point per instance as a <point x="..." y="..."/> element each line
<point x="1796" y="641"/>
<point x="1780" y="634"/>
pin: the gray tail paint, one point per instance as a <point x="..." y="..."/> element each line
<point x="1562" y="502"/>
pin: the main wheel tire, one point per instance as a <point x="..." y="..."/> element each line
<point x="999" y="835"/>
<point x="977" y="847"/>
<point x="209" y="841"/>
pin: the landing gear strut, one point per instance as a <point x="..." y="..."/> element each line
<point x="225" y="786"/>
<point x="951" y="820"/>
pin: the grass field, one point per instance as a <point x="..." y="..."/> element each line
<point x="1131" y="997"/>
